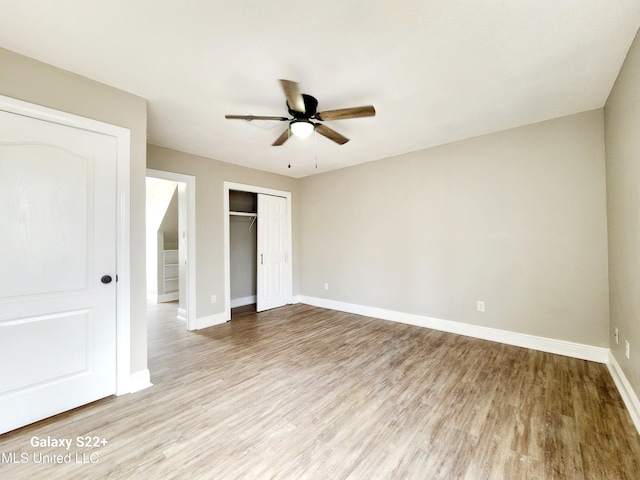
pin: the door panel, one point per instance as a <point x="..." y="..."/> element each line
<point x="57" y="319"/>
<point x="272" y="252"/>
<point x="46" y="209"/>
<point x="26" y="339"/>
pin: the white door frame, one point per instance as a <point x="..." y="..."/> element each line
<point x="190" y="181"/>
<point x="227" y="252"/>
<point x="123" y="219"/>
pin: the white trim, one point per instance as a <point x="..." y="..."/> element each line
<point x="182" y="314"/>
<point x="190" y="180"/>
<point x="167" y="297"/>
<point x="123" y="220"/>
<point x="296" y="299"/>
<point x="289" y="242"/>
<point x="139" y="381"/>
<point x="211" y="320"/>
<point x="626" y="390"/>
<point x="123" y="266"/>
<point x="550" y="345"/>
<point x="241" y="302"/>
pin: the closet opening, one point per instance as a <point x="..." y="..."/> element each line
<point x="243" y="252"/>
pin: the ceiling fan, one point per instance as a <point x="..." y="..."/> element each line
<point x="303" y="108"/>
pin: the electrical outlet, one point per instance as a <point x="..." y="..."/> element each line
<point x="480" y="306"/>
<point x="214" y="299"/>
<point x="616" y="335"/>
<point x="626" y="348"/>
<point x="326" y="286"/>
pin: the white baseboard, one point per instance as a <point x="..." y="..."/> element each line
<point x="549" y="345"/>
<point x="211" y="320"/>
<point x="626" y="391"/>
<point x="182" y="314"/>
<point x="241" y="302"/>
<point x="139" y="381"/>
<point x="296" y="299"/>
<point x="168" y="297"/>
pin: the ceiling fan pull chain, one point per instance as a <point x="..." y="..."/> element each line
<point x="289" y="147"/>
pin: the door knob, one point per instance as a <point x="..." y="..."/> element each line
<point x="106" y="279"/>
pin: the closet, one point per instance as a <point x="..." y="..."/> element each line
<point x="258" y="250"/>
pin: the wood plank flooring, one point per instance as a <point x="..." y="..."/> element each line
<point x="305" y="393"/>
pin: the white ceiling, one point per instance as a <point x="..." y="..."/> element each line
<point x="436" y="71"/>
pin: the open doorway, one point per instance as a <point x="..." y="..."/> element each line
<point x="170" y="231"/>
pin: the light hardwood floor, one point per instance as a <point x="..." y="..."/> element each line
<point x="305" y="393"/>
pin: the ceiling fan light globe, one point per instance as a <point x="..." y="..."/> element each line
<point x="302" y="129"/>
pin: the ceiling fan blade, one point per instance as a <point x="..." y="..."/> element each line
<point x="355" y="112"/>
<point x="294" y="97"/>
<point x="331" y="134"/>
<point x="282" y="138"/>
<point x="255" y="117"/>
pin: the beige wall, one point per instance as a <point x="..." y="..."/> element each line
<point x="243" y="253"/>
<point x="32" y="81"/>
<point x="516" y="219"/>
<point x="210" y="177"/>
<point x="622" y="121"/>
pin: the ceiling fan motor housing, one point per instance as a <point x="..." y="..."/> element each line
<point x="310" y="106"/>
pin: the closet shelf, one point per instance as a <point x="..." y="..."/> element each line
<point x="243" y="214"/>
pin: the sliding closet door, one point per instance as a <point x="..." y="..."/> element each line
<point x="272" y="252"/>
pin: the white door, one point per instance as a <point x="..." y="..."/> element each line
<point x="57" y="252"/>
<point x="272" y="252"/>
